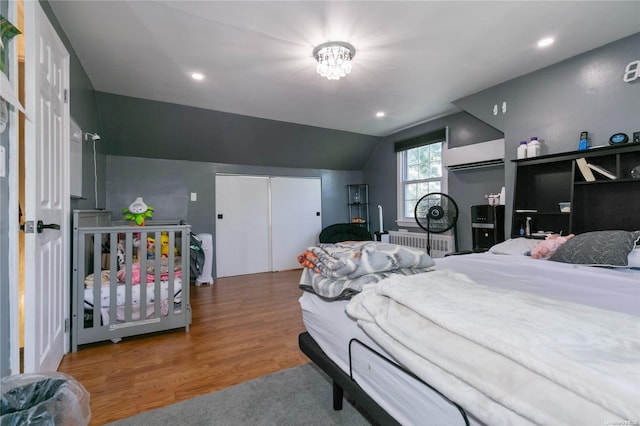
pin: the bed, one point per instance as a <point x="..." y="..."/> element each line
<point x="489" y="338"/>
<point x="127" y="280"/>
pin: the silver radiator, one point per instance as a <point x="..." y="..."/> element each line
<point x="440" y="243"/>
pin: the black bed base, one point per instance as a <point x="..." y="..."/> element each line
<point x="343" y="383"/>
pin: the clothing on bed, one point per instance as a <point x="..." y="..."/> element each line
<point x="568" y="363"/>
<point x="337" y="271"/>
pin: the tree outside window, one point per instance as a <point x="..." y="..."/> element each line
<point x="422" y="173"/>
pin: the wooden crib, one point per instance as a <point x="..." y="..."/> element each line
<point x="112" y="262"/>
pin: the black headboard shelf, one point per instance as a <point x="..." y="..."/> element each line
<point x="602" y="195"/>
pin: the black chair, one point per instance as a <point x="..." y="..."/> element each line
<point x="344" y="232"/>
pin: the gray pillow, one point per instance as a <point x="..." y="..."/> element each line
<point x="517" y="246"/>
<point x="598" y="248"/>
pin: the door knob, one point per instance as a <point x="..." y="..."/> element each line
<point x="40" y="226"/>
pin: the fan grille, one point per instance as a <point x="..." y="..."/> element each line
<point x="436" y="212"/>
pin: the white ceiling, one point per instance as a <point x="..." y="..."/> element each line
<point x="412" y="58"/>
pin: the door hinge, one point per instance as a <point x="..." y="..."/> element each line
<point x="28" y="227"/>
<point x="66" y="96"/>
<point x="66" y="325"/>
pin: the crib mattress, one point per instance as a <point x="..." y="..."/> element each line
<point x="121" y="291"/>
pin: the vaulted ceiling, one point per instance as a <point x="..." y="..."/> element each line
<point x="412" y="58"/>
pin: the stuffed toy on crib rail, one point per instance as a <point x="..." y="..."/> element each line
<point x="138" y="211"/>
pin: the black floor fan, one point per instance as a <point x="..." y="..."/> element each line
<point x="437" y="213"/>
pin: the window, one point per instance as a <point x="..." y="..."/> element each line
<point x="420" y="172"/>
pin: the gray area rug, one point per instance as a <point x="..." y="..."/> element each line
<point x="296" y="396"/>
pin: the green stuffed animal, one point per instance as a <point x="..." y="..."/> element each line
<point x="137" y="212"/>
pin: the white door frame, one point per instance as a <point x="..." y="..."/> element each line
<point x="13" y="167"/>
<point x="40" y="351"/>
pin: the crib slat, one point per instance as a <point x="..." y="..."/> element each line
<point x="142" y="259"/>
<point x="97" y="278"/>
<point x="185" y="307"/>
<point x="128" y="296"/>
<point x="172" y="276"/>
<point x="157" y="287"/>
<point x="80" y="273"/>
<point x="113" y="274"/>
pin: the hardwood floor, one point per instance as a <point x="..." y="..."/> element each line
<point x="243" y="327"/>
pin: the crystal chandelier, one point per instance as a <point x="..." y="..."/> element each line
<point x="334" y="59"/>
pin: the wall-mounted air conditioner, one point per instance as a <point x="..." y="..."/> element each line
<point x="483" y="154"/>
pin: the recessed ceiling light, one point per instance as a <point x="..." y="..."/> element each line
<point x="197" y="76"/>
<point x="380" y="114"/>
<point x="546" y="42"/>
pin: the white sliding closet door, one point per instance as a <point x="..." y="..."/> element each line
<point x="295" y="219"/>
<point x="243" y="244"/>
<point x="263" y="223"/>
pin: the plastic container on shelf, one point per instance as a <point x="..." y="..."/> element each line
<point x="533" y="147"/>
<point x="522" y="150"/>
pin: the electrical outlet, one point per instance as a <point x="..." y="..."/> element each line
<point x="194" y="196"/>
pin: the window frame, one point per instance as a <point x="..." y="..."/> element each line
<point x="401" y="219"/>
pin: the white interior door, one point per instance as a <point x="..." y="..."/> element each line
<point x="46" y="193"/>
<point x="242" y="225"/>
<point x="296" y="219"/>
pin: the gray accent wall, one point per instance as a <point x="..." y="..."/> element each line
<point x="166" y="185"/>
<point x="555" y="104"/>
<point x="144" y="128"/>
<point x="467" y="187"/>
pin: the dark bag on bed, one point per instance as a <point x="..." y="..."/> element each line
<point x="196" y="257"/>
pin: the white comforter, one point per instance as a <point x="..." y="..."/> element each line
<point x="568" y="363"/>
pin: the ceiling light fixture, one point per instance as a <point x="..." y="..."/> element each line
<point x="380" y="114"/>
<point x="546" y="42"/>
<point x="197" y="76"/>
<point x="334" y="59"/>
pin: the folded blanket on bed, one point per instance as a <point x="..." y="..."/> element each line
<point x="344" y="288"/>
<point x="508" y="357"/>
<point x="352" y="259"/>
<point x="337" y="271"/>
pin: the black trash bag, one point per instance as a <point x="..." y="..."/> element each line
<point x="43" y="399"/>
<point x="196" y="256"/>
